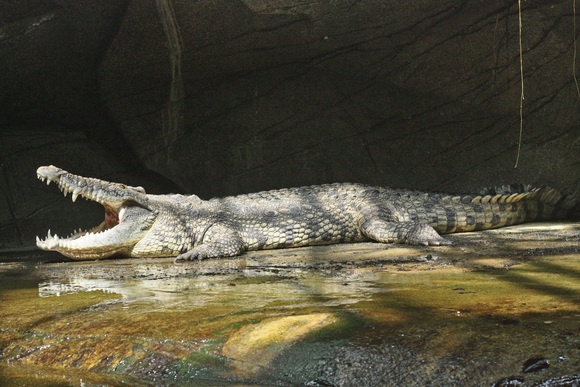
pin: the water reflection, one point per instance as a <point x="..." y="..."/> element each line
<point x="247" y="288"/>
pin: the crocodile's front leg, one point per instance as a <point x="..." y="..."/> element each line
<point x="219" y="241"/>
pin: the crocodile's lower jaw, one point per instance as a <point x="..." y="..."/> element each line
<point x="84" y="245"/>
<point x="93" y="254"/>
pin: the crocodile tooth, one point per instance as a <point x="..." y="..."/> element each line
<point x="75" y="195"/>
<point x="48" y="181"/>
<point x="37" y="240"/>
<point x="49" y="236"/>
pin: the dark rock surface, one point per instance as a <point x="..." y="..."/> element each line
<point x="221" y="97"/>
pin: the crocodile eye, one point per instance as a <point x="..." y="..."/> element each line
<point x="121" y="186"/>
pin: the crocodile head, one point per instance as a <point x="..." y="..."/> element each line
<point x="128" y="216"/>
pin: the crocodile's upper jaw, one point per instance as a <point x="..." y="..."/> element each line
<point x="127" y="219"/>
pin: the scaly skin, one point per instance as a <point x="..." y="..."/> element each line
<point x="141" y="225"/>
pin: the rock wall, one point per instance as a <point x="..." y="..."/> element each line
<point x="219" y="97"/>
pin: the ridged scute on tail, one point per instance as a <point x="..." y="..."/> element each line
<point x="546" y="203"/>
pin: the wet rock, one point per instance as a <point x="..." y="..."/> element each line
<point x="253" y="348"/>
<point x="535" y="364"/>
<point x="510" y="381"/>
<point x="285" y="317"/>
<point x="560" y="381"/>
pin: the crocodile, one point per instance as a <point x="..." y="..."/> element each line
<point x="138" y="224"/>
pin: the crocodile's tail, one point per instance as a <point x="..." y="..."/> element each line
<point x="543" y="203"/>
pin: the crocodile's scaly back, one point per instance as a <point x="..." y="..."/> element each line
<point x="141" y="225"/>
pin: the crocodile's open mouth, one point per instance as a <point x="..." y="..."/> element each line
<point x="126" y="222"/>
<point x="112" y="215"/>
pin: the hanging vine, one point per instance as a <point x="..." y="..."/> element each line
<point x="521" y="82"/>
<point x="575" y="49"/>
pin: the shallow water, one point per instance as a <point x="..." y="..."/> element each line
<point x="370" y="314"/>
